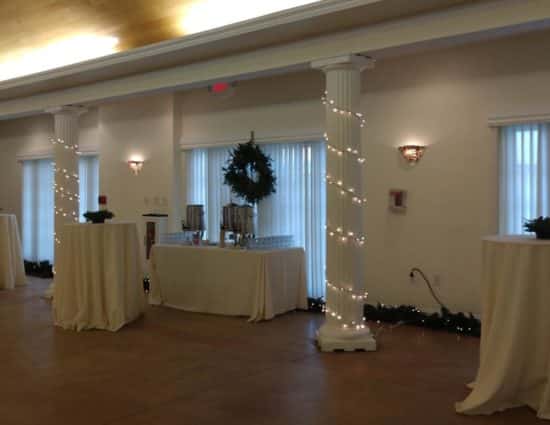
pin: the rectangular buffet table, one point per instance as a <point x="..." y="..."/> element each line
<point x="257" y="284"/>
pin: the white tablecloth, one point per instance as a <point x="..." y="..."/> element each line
<point x="514" y="365"/>
<point x="99" y="277"/>
<point x="257" y="284"/>
<point x="12" y="270"/>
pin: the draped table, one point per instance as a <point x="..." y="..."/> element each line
<point x="99" y="277"/>
<point x="12" y="270"/>
<point x="514" y="367"/>
<point x="253" y="283"/>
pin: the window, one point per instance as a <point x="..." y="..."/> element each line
<point x="298" y="208"/>
<point x="38" y="210"/>
<point x="524" y="175"/>
<point x="38" y="203"/>
<point x="88" y="174"/>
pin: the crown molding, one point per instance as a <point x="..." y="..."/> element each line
<point x="474" y="22"/>
<point x="503" y="121"/>
<point x="312" y="136"/>
<point x="174" y="46"/>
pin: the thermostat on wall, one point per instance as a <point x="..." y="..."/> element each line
<point x="398" y="200"/>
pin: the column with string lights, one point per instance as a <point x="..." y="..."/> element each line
<point x="344" y="327"/>
<point x="65" y="164"/>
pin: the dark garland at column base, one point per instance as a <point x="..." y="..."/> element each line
<point x="42" y="269"/>
<point x="445" y="320"/>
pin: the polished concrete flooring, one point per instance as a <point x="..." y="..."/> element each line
<point x="172" y="367"/>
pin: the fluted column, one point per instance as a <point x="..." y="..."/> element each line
<point x="65" y="147"/>
<point x="344" y="328"/>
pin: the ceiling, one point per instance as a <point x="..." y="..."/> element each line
<point x="28" y="25"/>
<point x="156" y="54"/>
<point x="31" y="24"/>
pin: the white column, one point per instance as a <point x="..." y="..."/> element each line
<point x="65" y="146"/>
<point x="344" y="328"/>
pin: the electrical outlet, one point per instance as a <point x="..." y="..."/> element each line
<point x="437" y="280"/>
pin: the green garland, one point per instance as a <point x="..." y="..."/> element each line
<point x="540" y="226"/>
<point x="41" y="269"/>
<point x="98" y="217"/>
<point x="445" y="320"/>
<point x="246" y="162"/>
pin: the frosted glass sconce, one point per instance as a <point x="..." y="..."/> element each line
<point x="136" y="166"/>
<point x="412" y="153"/>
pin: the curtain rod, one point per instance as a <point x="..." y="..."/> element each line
<point x="300" y="138"/>
<point x="48" y="154"/>
<point x="518" y="119"/>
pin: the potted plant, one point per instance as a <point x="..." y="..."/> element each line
<point x="98" y="217"/>
<point x="540" y="226"/>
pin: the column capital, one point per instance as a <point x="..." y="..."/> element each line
<point x="344" y="62"/>
<point x="74" y="110"/>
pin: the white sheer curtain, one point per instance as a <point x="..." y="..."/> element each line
<point x="297" y="209"/>
<point x="299" y="206"/>
<point x="88" y="173"/>
<point x="38" y="203"/>
<point x="524" y="175"/>
<point x="38" y="210"/>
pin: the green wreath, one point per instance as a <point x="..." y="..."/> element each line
<point x="249" y="173"/>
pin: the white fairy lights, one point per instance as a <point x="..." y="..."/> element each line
<point x="345" y="191"/>
<point x="340" y="234"/>
<point x="351" y="325"/>
<point x="348" y="291"/>
<point x="57" y="141"/>
<point x="68" y="175"/>
<point x="337" y="110"/>
<point x="61" y="191"/>
<point x="348" y="151"/>
<point x="344" y="236"/>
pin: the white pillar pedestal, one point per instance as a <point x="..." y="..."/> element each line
<point x="344" y="328"/>
<point x="65" y="144"/>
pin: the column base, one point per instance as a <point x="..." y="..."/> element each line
<point x="48" y="295"/>
<point x="335" y="338"/>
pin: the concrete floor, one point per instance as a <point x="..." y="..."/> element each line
<point x="173" y="367"/>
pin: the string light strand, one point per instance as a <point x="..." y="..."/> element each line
<point x="348" y="291"/>
<point x="346" y="236"/>
<point x="350" y="191"/>
<point x="340" y="234"/>
<point x="337" y="110"/>
<point x="348" y="151"/>
<point x="58" y="141"/>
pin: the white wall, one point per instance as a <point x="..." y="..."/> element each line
<point x="442" y="99"/>
<point x="117" y="131"/>
<point x="29" y="136"/>
<point x="439" y="98"/>
<point x="286" y="106"/>
<point x="141" y="127"/>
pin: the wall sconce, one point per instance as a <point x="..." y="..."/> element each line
<point x="412" y="153"/>
<point x="135" y="165"/>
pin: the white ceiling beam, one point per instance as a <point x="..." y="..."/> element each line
<point x="482" y="19"/>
